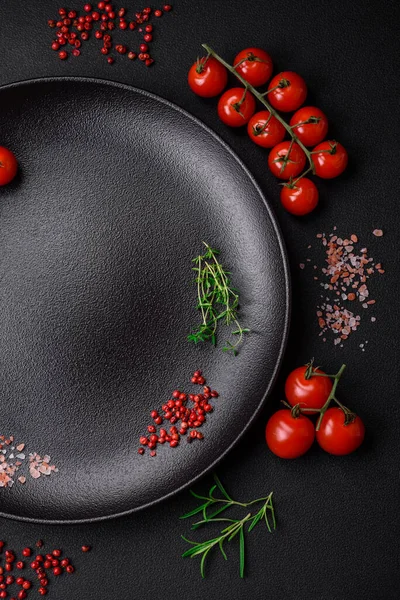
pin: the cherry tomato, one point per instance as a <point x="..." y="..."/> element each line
<point x="290" y="92"/>
<point x="337" y="438"/>
<point x="300" y="198"/>
<point x="254" y="65"/>
<point x="8" y="166"/>
<point x="207" y="77"/>
<point x="288" y="436"/>
<point x="283" y="167"/>
<point x="264" y="135"/>
<point x="330" y="159"/>
<point x="309" y="393"/>
<point x="235" y="108"/>
<point x="312" y="125"/>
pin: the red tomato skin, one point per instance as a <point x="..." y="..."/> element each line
<point x="337" y="438"/>
<point x="311" y="133"/>
<point x="290" y="98"/>
<point x="254" y="72"/>
<point x="211" y="81"/>
<point x="292" y="168"/>
<point x="228" y="114"/>
<point x="273" y="133"/>
<point x="328" y="166"/>
<point x="289" y="437"/>
<point x="8" y="166"/>
<point x="302" y="199"/>
<point x="309" y="393"/>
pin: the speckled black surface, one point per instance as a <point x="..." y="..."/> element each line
<point x="116" y="192"/>
<point x="337" y="536"/>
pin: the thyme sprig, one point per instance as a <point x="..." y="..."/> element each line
<point x="233" y="527"/>
<point x="218" y="301"/>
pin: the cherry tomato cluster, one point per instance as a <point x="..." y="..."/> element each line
<point x="286" y="92"/>
<point x="289" y="433"/>
<point x="8" y="166"/>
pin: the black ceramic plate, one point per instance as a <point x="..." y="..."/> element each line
<point x="116" y="191"/>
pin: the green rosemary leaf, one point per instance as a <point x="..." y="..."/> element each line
<point x="198" y="496"/>
<point x="207" y="520"/>
<point x="212" y="490"/>
<point x="211" y="517"/>
<point x="189" y="541"/>
<point x="221" y="487"/>
<point x="219" y="511"/>
<point x="241" y="552"/>
<point x="196" y="550"/>
<point x="220" y="543"/>
<point x="273" y="514"/>
<point x="256" y="519"/>
<point x="267" y="522"/>
<point x="195" y="510"/>
<point x="203" y="560"/>
<point x="235" y="532"/>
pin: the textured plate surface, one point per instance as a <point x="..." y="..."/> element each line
<point x="116" y="191"/>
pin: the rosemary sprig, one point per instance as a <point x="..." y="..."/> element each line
<point x="218" y="301"/>
<point x="233" y="527"/>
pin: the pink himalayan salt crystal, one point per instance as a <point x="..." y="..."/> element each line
<point x="378" y="232"/>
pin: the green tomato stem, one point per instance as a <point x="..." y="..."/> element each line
<point x="332" y="396"/>
<point x="261" y="98"/>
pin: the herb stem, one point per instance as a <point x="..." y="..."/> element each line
<point x="233" y="527"/>
<point x="216" y="300"/>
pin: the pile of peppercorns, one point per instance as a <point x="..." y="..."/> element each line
<point x="43" y="565"/>
<point x="102" y="21"/>
<point x="176" y="411"/>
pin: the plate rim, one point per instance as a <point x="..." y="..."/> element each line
<point x="288" y="295"/>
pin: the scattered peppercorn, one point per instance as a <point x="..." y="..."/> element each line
<point x="107" y="19"/>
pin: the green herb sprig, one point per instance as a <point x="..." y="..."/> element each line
<point x="218" y="301"/>
<point x="233" y="528"/>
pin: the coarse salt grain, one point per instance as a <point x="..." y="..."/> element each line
<point x="378" y="232"/>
